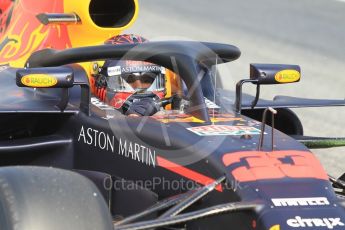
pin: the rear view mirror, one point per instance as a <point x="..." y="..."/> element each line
<point x="49" y="77"/>
<point x="58" y="77"/>
<point x="265" y="74"/>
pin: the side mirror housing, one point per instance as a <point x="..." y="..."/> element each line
<point x="267" y="74"/>
<point x="48" y="77"/>
<point x="63" y="77"/>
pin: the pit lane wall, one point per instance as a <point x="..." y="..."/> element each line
<point x="22" y="33"/>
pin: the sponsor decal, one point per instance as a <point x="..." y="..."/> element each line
<point x="39" y="80"/>
<point x="114" y="70"/>
<point x="308" y="201"/>
<point x="299" y="222"/>
<point x="222" y="130"/>
<point x="287" y="76"/>
<point x="126" y="148"/>
<point x="141" y="68"/>
<point x="137" y="152"/>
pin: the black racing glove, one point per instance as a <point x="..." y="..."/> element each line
<point x="100" y="81"/>
<point x="143" y="107"/>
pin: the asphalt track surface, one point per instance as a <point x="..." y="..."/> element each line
<point x="310" y="33"/>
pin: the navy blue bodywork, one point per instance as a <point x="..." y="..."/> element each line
<point x="35" y="132"/>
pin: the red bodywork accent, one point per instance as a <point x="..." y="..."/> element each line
<point x="5" y="15"/>
<point x="27" y="34"/>
<point x="186" y="172"/>
<point x="5" y="4"/>
<point x="159" y="94"/>
<point x="257" y="165"/>
<point x="119" y="99"/>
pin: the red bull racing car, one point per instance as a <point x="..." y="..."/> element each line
<point x="73" y="157"/>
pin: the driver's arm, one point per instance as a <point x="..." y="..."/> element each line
<point x="143" y="107"/>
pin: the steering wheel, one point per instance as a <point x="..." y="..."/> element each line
<point x="165" y="101"/>
<point x="175" y="101"/>
<point x="138" y="96"/>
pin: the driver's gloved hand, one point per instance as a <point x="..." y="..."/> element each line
<point x="100" y="81"/>
<point x="143" y="107"/>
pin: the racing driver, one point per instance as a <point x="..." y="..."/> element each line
<point x="132" y="87"/>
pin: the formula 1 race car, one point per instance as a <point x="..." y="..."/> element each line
<point x="206" y="160"/>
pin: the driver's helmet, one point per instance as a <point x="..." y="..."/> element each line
<point x="130" y="80"/>
<point x="120" y="82"/>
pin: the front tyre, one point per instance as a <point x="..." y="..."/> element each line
<point x="34" y="198"/>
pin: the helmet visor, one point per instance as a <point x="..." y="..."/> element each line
<point x="144" y="78"/>
<point x="134" y="76"/>
<point x="135" y="82"/>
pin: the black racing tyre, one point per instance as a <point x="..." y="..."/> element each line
<point x="35" y="198"/>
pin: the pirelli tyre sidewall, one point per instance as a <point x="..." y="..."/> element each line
<point x="34" y="198"/>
